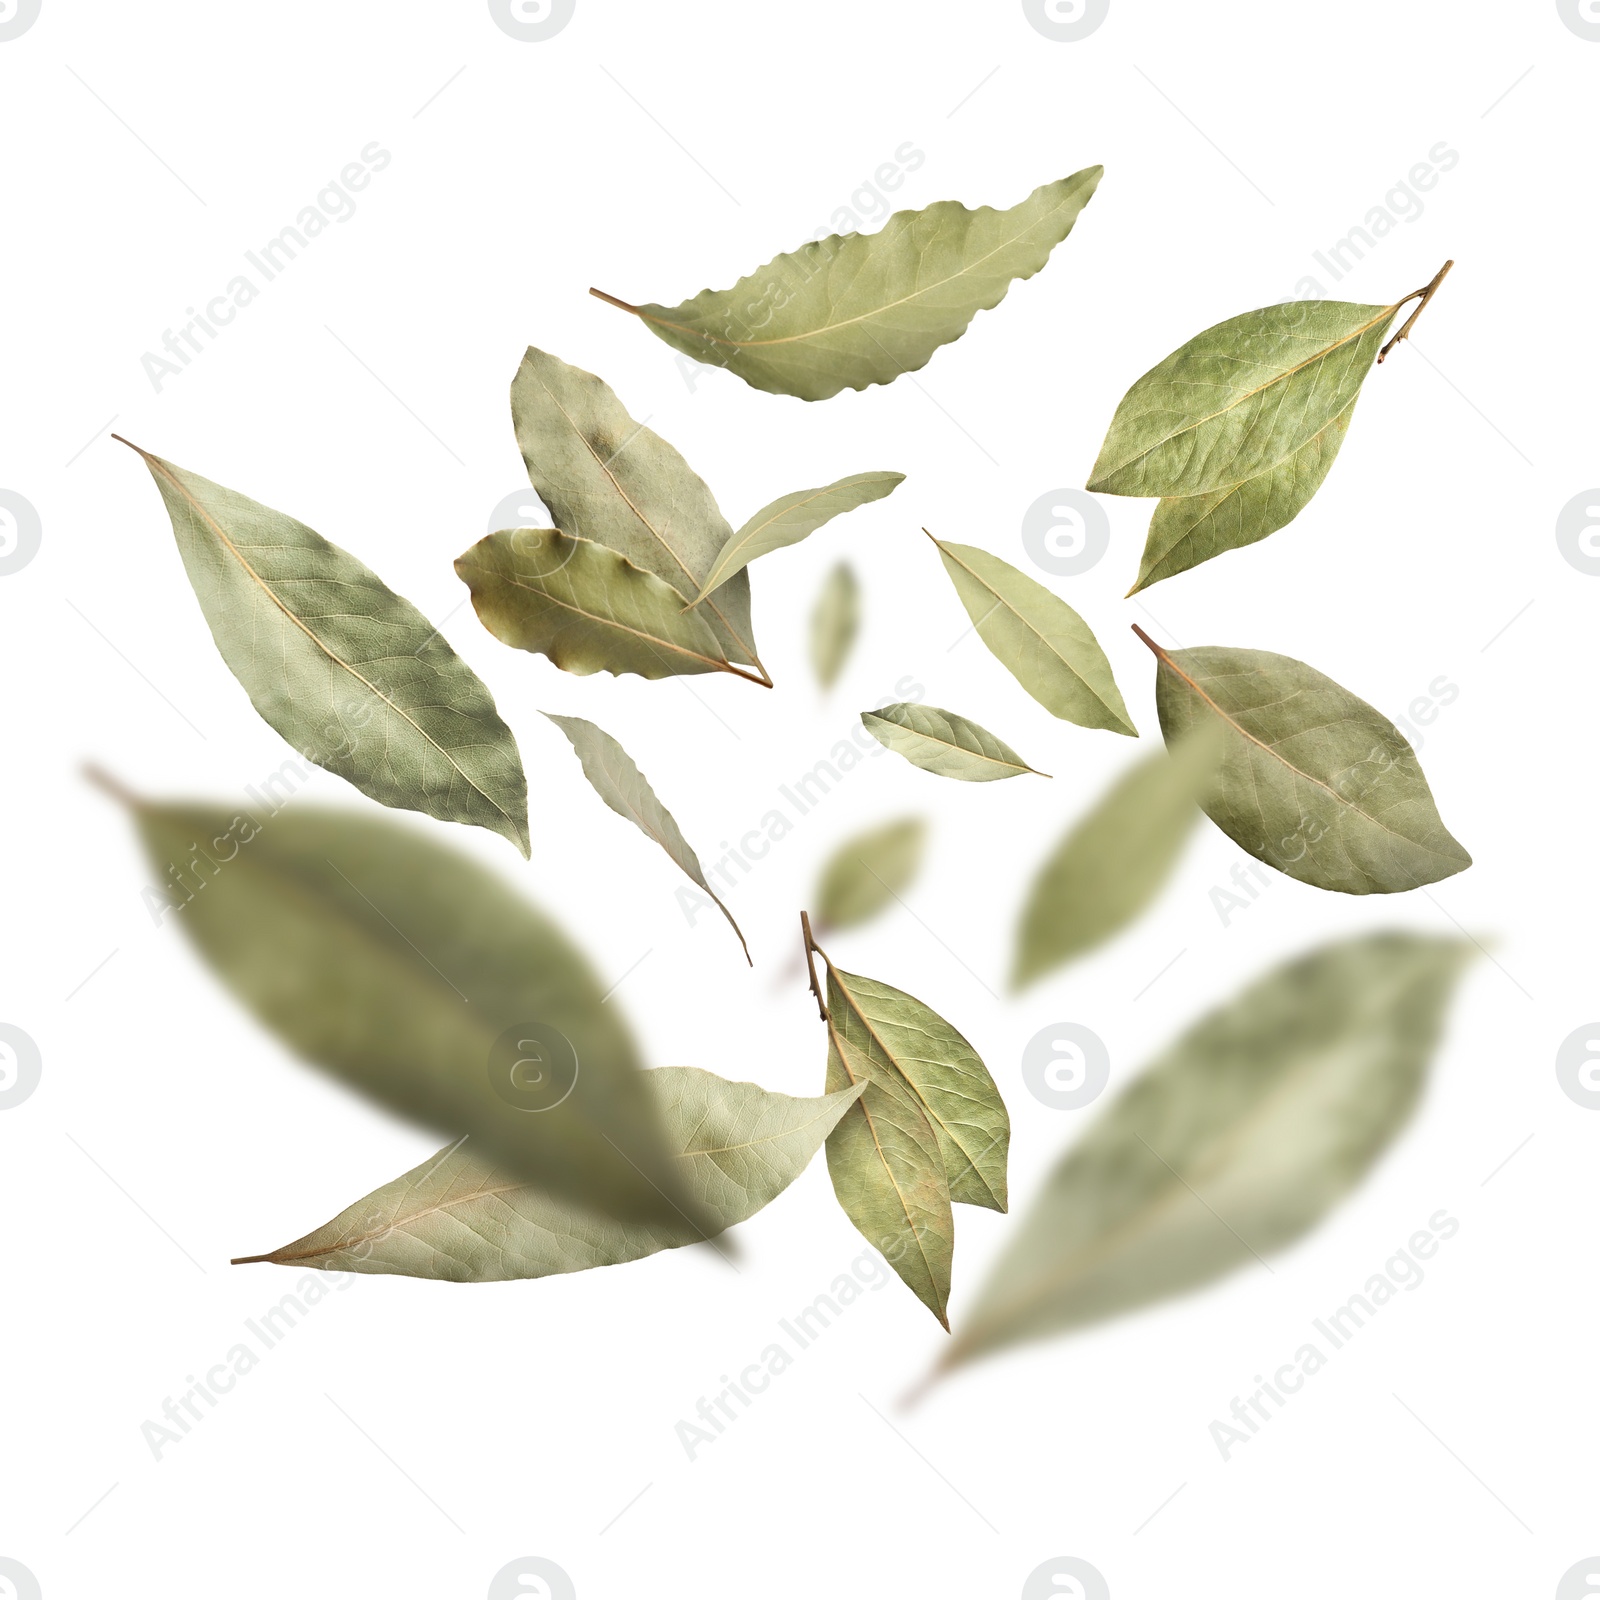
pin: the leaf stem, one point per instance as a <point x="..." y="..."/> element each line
<point x="119" y="791"/>
<point x="811" y="971"/>
<point x="611" y="300"/>
<point x="1426" y="294"/>
<point x="1155" y="649"/>
<point x="245" y="1261"/>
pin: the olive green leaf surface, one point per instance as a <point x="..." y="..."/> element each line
<point x="586" y="607"/>
<point x="1038" y="638"/>
<point x="929" y="1129"/>
<point x="792" y="518"/>
<point x="835" y="621"/>
<point x="1312" y="780"/>
<point x="849" y="311"/>
<point x="610" y="479"/>
<point x="1113" y="861"/>
<point x="867" y="872"/>
<point x="942" y="743"/>
<point x="353" y="676"/>
<point x="457" y="1218"/>
<point x="623" y="787"/>
<point x="1185" y="532"/>
<point x="415" y="976"/>
<point x="1237" y="1140"/>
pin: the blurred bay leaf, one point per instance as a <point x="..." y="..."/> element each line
<point x="410" y="973"/>
<point x="1237" y="1140"/>
<point x="1312" y="781"/>
<point x="586" y="607"/>
<point x="835" y="620"/>
<point x="792" y="518"/>
<point x="864" y="875"/>
<point x="610" y="479"/>
<point x="943" y="743"/>
<point x="353" y="676"/>
<point x="1113" y="860"/>
<point x="1038" y="638"/>
<point x="457" y="1218"/>
<point x="623" y="787"/>
<point x="1183" y="533"/>
<point x="849" y="311"/>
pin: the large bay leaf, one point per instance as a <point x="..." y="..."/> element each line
<point x="1233" y="1143"/>
<point x="586" y="606"/>
<point x="867" y="872"/>
<point x="849" y="311"/>
<point x="792" y="518"/>
<point x="1038" y="638"/>
<point x="1312" y="780"/>
<point x="353" y="676"/>
<point x="627" y="791"/>
<point x="608" y="478"/>
<point x="1113" y="861"/>
<point x="1183" y="533"/>
<point x="941" y="742"/>
<point x="1245" y="395"/>
<point x="457" y="1218"/>
<point x="835" y="620"/>
<point x="412" y="974"/>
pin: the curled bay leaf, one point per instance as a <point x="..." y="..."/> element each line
<point x="866" y="873"/>
<point x="835" y="620"/>
<point x="415" y="976"/>
<point x="1312" y="780"/>
<point x="623" y="787"/>
<point x="941" y="742"/>
<point x="1185" y="532"/>
<point x="611" y="480"/>
<point x="849" y="311"/>
<point x="460" y="1219"/>
<point x="586" y="606"/>
<point x="352" y="675"/>
<point x="1235" y="1142"/>
<point x="1114" y="860"/>
<point x="1038" y="638"/>
<point x="792" y="518"/>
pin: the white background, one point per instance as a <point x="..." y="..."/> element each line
<point x="412" y="1437"/>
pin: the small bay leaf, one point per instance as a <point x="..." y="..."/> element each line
<point x="623" y="787"/>
<point x="412" y="974"/>
<point x="1312" y="781"/>
<point x="941" y="742"/>
<point x="610" y="479"/>
<point x="849" y="311"/>
<point x="835" y="620"/>
<point x="1114" y="860"/>
<point x="792" y="518"/>
<point x="586" y="606"/>
<point x="1038" y="638"/>
<point x="457" y="1218"/>
<point x="1183" y="533"/>
<point x="868" y="872"/>
<point x="353" y="676"/>
<point x="1235" y="1142"/>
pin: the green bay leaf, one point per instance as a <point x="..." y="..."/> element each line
<point x="460" y="1219"/>
<point x="867" y="873"/>
<point x="612" y="480"/>
<point x="792" y="518"/>
<point x="850" y="311"/>
<point x="943" y="743"/>
<point x="352" y="675"/>
<point x="586" y="606"/>
<point x="835" y="621"/>
<point x="1312" y="780"/>
<point x="623" y="787"/>
<point x="1235" y="1142"/>
<point x="1038" y="638"/>
<point x="415" y="976"/>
